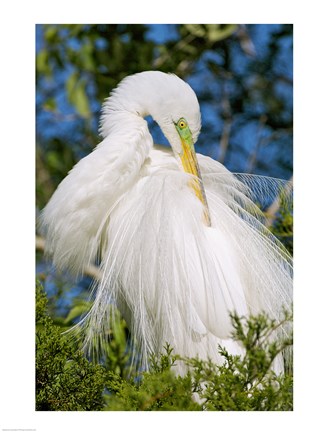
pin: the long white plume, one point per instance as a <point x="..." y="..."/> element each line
<point x="174" y="279"/>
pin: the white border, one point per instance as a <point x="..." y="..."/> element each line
<point x="17" y="209"/>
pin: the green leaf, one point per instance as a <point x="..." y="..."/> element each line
<point x="76" y="94"/>
<point x="217" y="32"/>
<point x="70" y="84"/>
<point x="211" y="32"/>
<point x="86" y="56"/>
<point x="77" y="311"/>
<point x="197" y="30"/>
<point x="42" y="65"/>
<point x="51" y="33"/>
<point x="50" y="104"/>
<point x="53" y="160"/>
<point x="80" y="99"/>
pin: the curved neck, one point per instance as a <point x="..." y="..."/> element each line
<point x="127" y="144"/>
<point x="163" y="96"/>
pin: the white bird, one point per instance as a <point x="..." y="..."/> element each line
<point x="180" y="241"/>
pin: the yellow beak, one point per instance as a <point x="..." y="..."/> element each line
<point x="190" y="165"/>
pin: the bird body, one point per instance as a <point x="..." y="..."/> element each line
<point x="180" y="241"/>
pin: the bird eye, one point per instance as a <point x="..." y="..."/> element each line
<point x="182" y="124"/>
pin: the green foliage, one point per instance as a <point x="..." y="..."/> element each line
<point x="283" y="228"/>
<point x="247" y="383"/>
<point x="66" y="380"/>
<point x="240" y="384"/>
<point x="230" y="387"/>
<point x="157" y="390"/>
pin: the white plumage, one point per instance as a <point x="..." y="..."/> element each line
<point x="174" y="278"/>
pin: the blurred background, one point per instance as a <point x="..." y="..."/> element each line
<point x="243" y="78"/>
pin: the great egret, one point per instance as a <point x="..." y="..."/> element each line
<point x="180" y="241"/>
